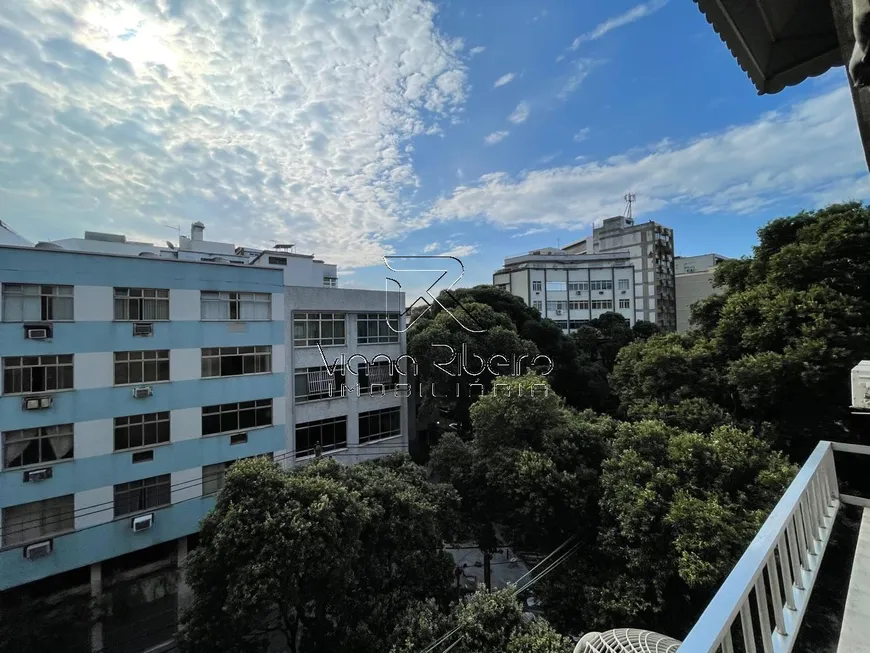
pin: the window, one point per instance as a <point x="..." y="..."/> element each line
<point x="576" y="324"/>
<point x="37" y="520"/>
<point x="578" y="286"/>
<point x="624" y="303"/>
<point x="537" y="304"/>
<point x="373" y="328"/>
<point x="581" y="305"/>
<point x="562" y="324"/>
<point x="330" y="282"/>
<point x="33" y="303"/>
<point x="380" y="373"/>
<point x="141" y="304"/>
<point x="223" y="306"/>
<point x="37" y="446"/>
<point x="536" y="286"/>
<point x="23" y="374"/>
<point x="141" y="366"/>
<point x="689" y="269"/>
<point x="602" y="304"/>
<point x="227" y="418"/>
<point x="147" y="494"/>
<point x="601" y="285"/>
<point x="330" y="434"/>
<point x="235" y="361"/>
<point x="313" y="383"/>
<point x="555" y="306"/>
<point x="277" y="260"/>
<point x="379" y="425"/>
<point x="310" y="329"/>
<point x="141" y="430"/>
<point x="622" y="284"/>
<point x="214" y="476"/>
<point x="557" y="286"/>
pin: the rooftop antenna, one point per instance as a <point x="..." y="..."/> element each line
<point x="178" y="229"/>
<point x="629" y="200"/>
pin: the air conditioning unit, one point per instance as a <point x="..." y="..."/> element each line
<point x="142" y="393"/>
<point x="36" y="403"/>
<point x="558" y="312"/>
<point x="38" y="550"/>
<point x="143" y="329"/>
<point x="35" y="475"/>
<point x="624" y="291"/>
<point x="578" y="292"/>
<point x="37" y="333"/>
<point x="600" y="292"/>
<point x="143" y="523"/>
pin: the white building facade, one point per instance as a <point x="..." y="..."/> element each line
<point x="694" y="282"/>
<point x="571" y="289"/>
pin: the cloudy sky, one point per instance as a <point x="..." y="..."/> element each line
<point x="363" y="128"/>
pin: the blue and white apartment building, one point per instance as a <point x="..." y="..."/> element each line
<point x="134" y="375"/>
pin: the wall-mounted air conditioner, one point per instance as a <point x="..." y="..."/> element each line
<point x="37" y="333"/>
<point x="143" y="329"/>
<point x="35" y="475"/>
<point x="36" y="403"/>
<point x="579" y="292"/>
<point x="558" y="312"/>
<point x="38" y="550"/>
<point x="143" y="522"/>
<point x="143" y="392"/>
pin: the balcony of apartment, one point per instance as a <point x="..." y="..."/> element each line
<point x="763" y="603"/>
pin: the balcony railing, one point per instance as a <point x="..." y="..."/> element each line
<point x="771" y="584"/>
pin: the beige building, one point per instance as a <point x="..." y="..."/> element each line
<point x="694" y="281"/>
<point x="650" y="248"/>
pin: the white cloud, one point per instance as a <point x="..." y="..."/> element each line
<point x="581" y="135"/>
<point x="531" y="232"/>
<point x="477" y="50"/>
<point x="582" y="68"/>
<point x="460" y="251"/>
<point x="808" y="153"/>
<point x="431" y="247"/>
<point x="504" y="79"/>
<point x="459" y="173"/>
<point x="634" y="14"/>
<point x="520" y="114"/>
<point x="495" y="137"/>
<point x="544" y="160"/>
<point x="270" y="121"/>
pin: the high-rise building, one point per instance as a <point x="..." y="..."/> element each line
<point x="133" y="376"/>
<point x="694" y="281"/>
<point x="571" y="289"/>
<point x="651" y="252"/>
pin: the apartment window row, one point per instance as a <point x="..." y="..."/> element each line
<point x="601" y="285"/>
<point x="379" y="424"/>
<point x="580" y="286"/>
<point x="623" y="284"/>
<point x="624" y="303"/>
<point x="537" y="304"/>
<point x="313" y="383"/>
<point x="236" y="361"/>
<point x="310" y="329"/>
<point x="330" y="282"/>
<point x="228" y="418"/>
<point x="602" y="304"/>
<point x="141" y="495"/>
<point x="39" y="303"/>
<point x="557" y="286"/>
<point x="37" y="520"/>
<point x="325" y="434"/>
<point x="37" y="446"/>
<point x="144" y="430"/>
<point x="536" y="286"/>
<point x="555" y="306"/>
<point x="581" y="305"/>
<point x="141" y="366"/>
<point x="377" y="328"/>
<point x="28" y="374"/>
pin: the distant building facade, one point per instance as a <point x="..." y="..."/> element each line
<point x="694" y="282"/>
<point x="133" y="376"/>
<point x="650" y="247"/>
<point x="571" y="289"/>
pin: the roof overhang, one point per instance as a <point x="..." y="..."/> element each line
<point x="781" y="43"/>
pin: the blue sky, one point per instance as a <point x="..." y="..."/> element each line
<point x="407" y="127"/>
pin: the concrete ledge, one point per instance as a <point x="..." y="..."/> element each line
<point x="855" y="632"/>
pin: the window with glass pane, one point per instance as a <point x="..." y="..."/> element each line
<point x="146" y="494"/>
<point x="381" y="374"/>
<point x="37" y="446"/>
<point x="578" y="286"/>
<point x="377" y="328"/>
<point x="557" y="286"/>
<point x="330" y="282"/>
<point x="228" y="418"/>
<point x="37" y="520"/>
<point x="235" y="361"/>
<point x="536" y="286"/>
<point x="310" y="329"/>
<point x="624" y="303"/>
<point x="141" y="366"/>
<point x="27" y="374"/>
<point x="141" y="304"/>
<point x="379" y="424"/>
<point x="312" y="383"/>
<point x="537" y="304"/>
<point x="602" y="304"/>
<point x="226" y="306"/>
<point x="141" y="430"/>
<point x="329" y="434"/>
<point x="581" y="305"/>
<point x="35" y="303"/>
<point x="622" y="284"/>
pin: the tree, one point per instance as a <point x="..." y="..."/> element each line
<point x="489" y="622"/>
<point x="321" y="558"/>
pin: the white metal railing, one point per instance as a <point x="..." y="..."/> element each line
<point x="780" y="565"/>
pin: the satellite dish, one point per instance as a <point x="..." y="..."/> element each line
<point x="170" y="245"/>
<point x="626" y="640"/>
